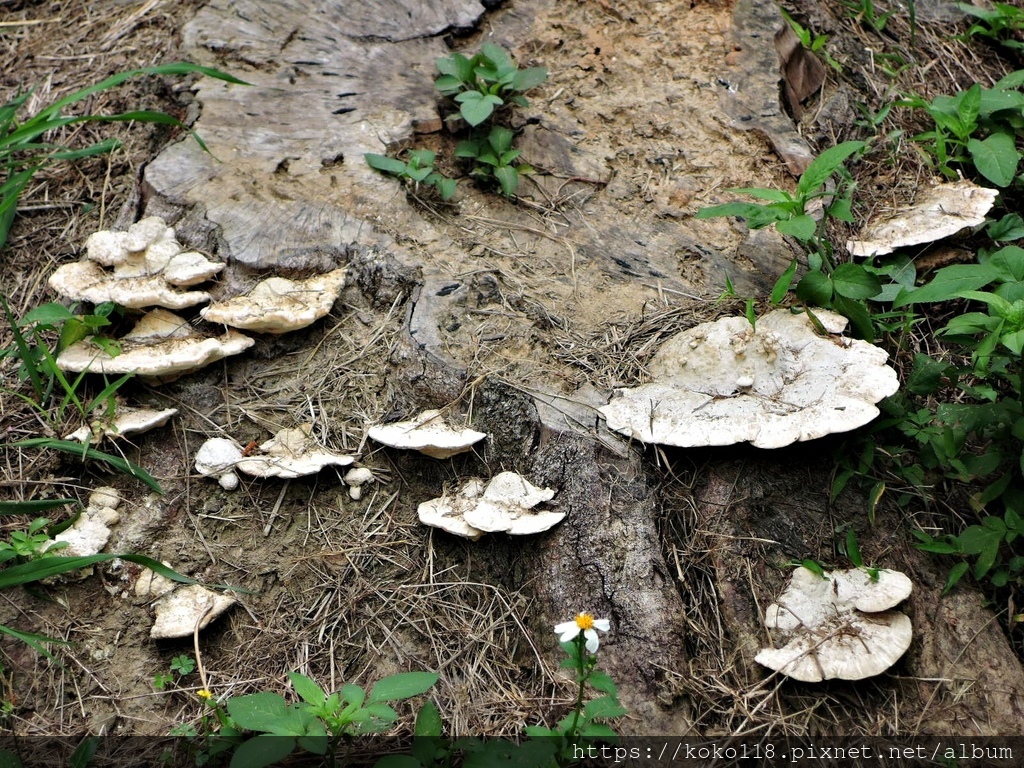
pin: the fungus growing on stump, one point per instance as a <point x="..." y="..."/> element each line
<point x="728" y="382"/>
<point x="161" y="346"/>
<point x="839" y="625"/>
<point x="279" y="305"/>
<point x="427" y="433"/>
<point x="143" y="267"/>
<point x="506" y="504"/>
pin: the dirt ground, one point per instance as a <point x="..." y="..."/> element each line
<point x="517" y="317"/>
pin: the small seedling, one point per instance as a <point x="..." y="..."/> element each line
<point x="486" y="81"/>
<point x="418" y="169"/>
<point x="1002" y="23"/>
<point x="31" y="544"/>
<point x="493" y="158"/>
<point x="812" y="42"/>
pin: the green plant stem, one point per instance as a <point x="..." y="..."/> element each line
<point x="582" y="656"/>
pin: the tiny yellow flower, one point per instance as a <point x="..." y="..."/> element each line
<point x="586" y="624"/>
<point x="204" y="694"/>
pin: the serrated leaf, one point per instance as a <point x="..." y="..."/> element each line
<point x="855" y="282"/>
<point x="602" y="682"/>
<point x="528" y="78"/>
<point x="309" y="691"/>
<point x="801" y="227"/>
<point x="604" y="708"/>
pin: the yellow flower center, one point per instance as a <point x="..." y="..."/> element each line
<point x="204" y="694"/>
<point x="585" y="621"/>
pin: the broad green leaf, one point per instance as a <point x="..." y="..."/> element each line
<point x="352" y="694"/>
<point x="418" y="174"/>
<point x="307" y="689"/>
<point x="955" y="574"/>
<point x="528" y="78"/>
<point x="761" y="193"/>
<point x="968" y="109"/>
<point x="855" y="282"/>
<point x="782" y="285"/>
<point x="496" y="55"/>
<point x="500" y="139"/>
<point x="1008" y="261"/>
<point x="948" y="282"/>
<point x="599" y="731"/>
<point x="508" y="178"/>
<point x="446" y="187"/>
<point x="477" y="107"/>
<point x="48" y="314"/>
<point x="852" y="549"/>
<point x="84" y="753"/>
<point x="603" y="708"/>
<point x="402" y="686"/>
<point x="261" y="751"/>
<point x="815" y="288"/>
<point x="448" y="84"/>
<point x="743" y="210"/>
<point x="1006" y="229"/>
<point x="858" y="315"/>
<point x="824" y="165"/>
<point x="602" y="682"/>
<point x="428" y="721"/>
<point x="385" y="163"/>
<point x="266" y="712"/>
<point x="467" y="148"/>
<point x="996" y="158"/>
<point x="421" y="157"/>
<point x="1012" y="80"/>
<point x="374" y="718"/>
<point x="801" y="227"/>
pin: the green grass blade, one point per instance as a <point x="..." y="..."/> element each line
<point x="23" y="351"/>
<point x="33" y="507"/>
<point x="33" y="640"/>
<point x="54" y="565"/>
<point x="108" y="391"/>
<point x="85" y="452"/>
<point x="176" y="68"/>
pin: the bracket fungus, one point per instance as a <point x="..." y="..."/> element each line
<point x="427" y="433"/>
<point x="505" y="504"/>
<point x="90" y="532"/>
<point x="291" y="453"/>
<point x="180" y="612"/>
<point x="728" y="382"/>
<point x="839" y="626"/>
<point x="939" y="212"/>
<point x="147" y="264"/>
<point x="161" y="346"/>
<point x="126" y="421"/>
<point x="279" y="305"/>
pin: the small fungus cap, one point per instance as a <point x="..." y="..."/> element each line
<point x="126" y="421"/>
<point x="279" y="305"/>
<point x="427" y="433"/>
<point x="727" y="382"/>
<point x="839" y="626"/>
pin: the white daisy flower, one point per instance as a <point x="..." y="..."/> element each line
<point x="586" y="624"/>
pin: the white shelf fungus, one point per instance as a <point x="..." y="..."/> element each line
<point x="724" y="382"/>
<point x="840" y="626"/>
<point x="217" y="458"/>
<point x="427" y="433"/>
<point x="126" y="421"/>
<point x="291" y="453"/>
<point x="161" y="346"/>
<point x="178" y="613"/>
<point x="91" y="531"/>
<point x="505" y="504"/>
<point x="146" y="267"/>
<point x="939" y="212"/>
<point x="279" y="305"/>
